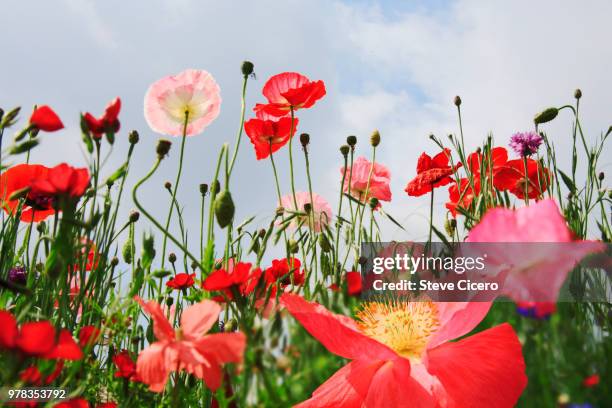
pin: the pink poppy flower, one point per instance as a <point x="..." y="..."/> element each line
<point x="320" y="207"/>
<point x="188" y="348"/>
<point x="379" y="182"/>
<point x="289" y="89"/>
<point x="401" y="356"/>
<point x="536" y="269"/>
<point x="193" y="92"/>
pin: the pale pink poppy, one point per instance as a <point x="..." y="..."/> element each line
<point x="320" y="207"/>
<point x="192" y="92"/>
<point x="188" y="348"/>
<point x="379" y="182"/>
<point x="538" y="251"/>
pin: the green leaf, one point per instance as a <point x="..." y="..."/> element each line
<point x="24" y="147"/>
<point x="568" y="182"/>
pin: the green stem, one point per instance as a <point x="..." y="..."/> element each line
<point x="240" y="129"/>
<point x="291" y="158"/>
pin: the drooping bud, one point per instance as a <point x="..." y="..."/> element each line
<point x="114" y="261"/>
<point x="601" y="176"/>
<point x="293" y="246"/>
<point x="133" y="137"/>
<point x="224" y="208"/>
<point x="351" y="140"/>
<point x="457" y="101"/>
<point x="374" y="203"/>
<point x="168" y="185"/>
<point x="304" y="139"/>
<point x="203" y="189"/>
<point x="134" y="216"/>
<point x="247" y="68"/>
<point x="163" y="147"/>
<point x="280" y="211"/>
<point x="344" y="149"/>
<point x="375" y="138"/>
<point x="172" y="257"/>
<point x="546" y="115"/>
<point x="9" y="118"/>
<point x="578" y="93"/>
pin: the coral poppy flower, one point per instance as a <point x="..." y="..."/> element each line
<point x="240" y="279"/>
<point x="511" y="177"/>
<point x="44" y="118"/>
<point x="181" y="281"/>
<point x="268" y="136"/>
<point x="431" y="173"/>
<point x="591" y="381"/>
<point x="358" y="175"/>
<point x="194" y="93"/>
<point x="37" y="339"/>
<point x="285" y="271"/>
<point x="88" y="336"/>
<point x="188" y="348"/>
<point x="107" y="123"/>
<point x="401" y="355"/>
<point x="353" y="283"/>
<point x="538" y="251"/>
<point x="290" y="90"/>
<point x="319" y="207"/>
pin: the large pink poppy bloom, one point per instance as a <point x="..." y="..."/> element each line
<point x="379" y="182"/>
<point x="192" y="91"/>
<point x="538" y="252"/>
<point x="401" y="356"/>
<point x="289" y="90"/>
<point x="319" y="206"/>
<point x="188" y="348"/>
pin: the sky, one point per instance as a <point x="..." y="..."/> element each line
<point x="394" y="66"/>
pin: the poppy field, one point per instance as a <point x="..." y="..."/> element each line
<point x="142" y="309"/>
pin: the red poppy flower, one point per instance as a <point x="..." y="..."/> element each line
<point x="268" y="136"/>
<point x="591" y="381"/>
<point x="462" y="194"/>
<point x="512" y="177"/>
<point x="498" y="158"/>
<point x="431" y="173"/>
<point x="126" y="367"/>
<point x="88" y="336"/>
<point x="31" y="375"/>
<point x="290" y="90"/>
<point x="181" y="281"/>
<point x="283" y="270"/>
<point x="45" y="119"/>
<point x="353" y="283"/>
<point x="73" y="403"/>
<point x="62" y="180"/>
<point x="239" y="278"/>
<point x="107" y="123"/>
<point x="37" y="339"/>
<point x="19" y="177"/>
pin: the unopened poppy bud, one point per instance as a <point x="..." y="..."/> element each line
<point x="134" y="216"/>
<point x="375" y="138"/>
<point x="304" y="139"/>
<point x="601" y="176"/>
<point x="374" y="203"/>
<point x="215" y="187"/>
<point x="194" y="265"/>
<point x="546" y="115"/>
<point x="351" y="140"/>
<point x="344" y="149"/>
<point x="133" y="137"/>
<point x="307" y="208"/>
<point x="224" y="208"/>
<point x="168" y="185"/>
<point x="294" y="247"/>
<point x="163" y="147"/>
<point x="457" y="101"/>
<point x="41" y="227"/>
<point x="114" y="261"/>
<point x="324" y="243"/>
<point x="279" y="211"/>
<point x="203" y="189"/>
<point x="578" y="93"/>
<point x="363" y="260"/>
<point x="262" y="233"/>
<point x="432" y="136"/>
<point x="450" y="226"/>
<point x="230" y="326"/>
<point x="478" y="150"/>
<point x="172" y="257"/>
<point x="247" y="68"/>
<point x="450" y="137"/>
<point x="169" y="301"/>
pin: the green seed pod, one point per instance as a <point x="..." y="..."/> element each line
<point x="375" y="138"/>
<point x="133" y="137"/>
<point x="224" y="208"/>
<point x="546" y="115"/>
<point x="351" y="140"/>
<point x="324" y="243"/>
<point x="344" y="149"/>
<point x="247" y="68"/>
<point x="126" y="252"/>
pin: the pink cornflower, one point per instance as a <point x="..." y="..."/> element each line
<point x="525" y="143"/>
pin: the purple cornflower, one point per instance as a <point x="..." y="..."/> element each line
<point x="17" y="275"/>
<point x="525" y="143"/>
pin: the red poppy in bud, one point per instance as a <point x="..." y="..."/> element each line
<point x="88" y="336"/>
<point x="268" y="136"/>
<point x="353" y="283"/>
<point x="240" y="278"/>
<point x="45" y="119"/>
<point x="37" y="339"/>
<point x="285" y="271"/>
<point x="290" y="90"/>
<point x="107" y="123"/>
<point x="512" y="177"/>
<point x="591" y="381"/>
<point x="431" y="173"/>
<point x="181" y="281"/>
<point x="126" y="367"/>
<point x="461" y="195"/>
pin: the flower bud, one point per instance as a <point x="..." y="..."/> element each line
<point x="457" y="101"/>
<point x="351" y="140"/>
<point x="374" y="203"/>
<point x="126" y="252"/>
<point x="363" y="260"/>
<point x="304" y="139"/>
<point x="262" y="233"/>
<point x="230" y="326"/>
<point x="203" y="189"/>
<point x="293" y="245"/>
<point x="134" y="216"/>
<point x="324" y="243"/>
<point x="344" y="149"/>
<point x="247" y="68"/>
<point x="375" y="138"/>
<point x="224" y="208"/>
<point x="601" y="176"/>
<point x="163" y="147"/>
<point x="169" y="301"/>
<point x="450" y="227"/>
<point x="168" y="185"/>
<point x="172" y="257"/>
<point x="546" y="115"/>
<point x="194" y="265"/>
<point x="114" y="261"/>
<point x="578" y="93"/>
<point x="215" y="187"/>
<point x="133" y="137"/>
<point x="41" y="227"/>
<point x="307" y="208"/>
<point x="279" y="211"/>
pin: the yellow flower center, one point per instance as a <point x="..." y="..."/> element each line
<point x="178" y="334"/>
<point x="406" y="327"/>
